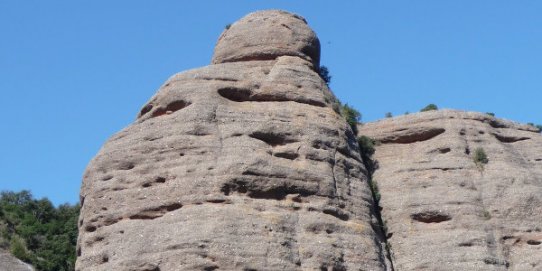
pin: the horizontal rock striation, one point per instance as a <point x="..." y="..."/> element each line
<point x="240" y="165"/>
<point x="443" y="210"/>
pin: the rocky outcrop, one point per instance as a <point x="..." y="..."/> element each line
<point x="240" y="165"/>
<point x="443" y="210"/>
<point x="9" y="263"/>
<point x="266" y="36"/>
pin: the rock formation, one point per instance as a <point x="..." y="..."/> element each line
<point x="240" y="165"/>
<point x="9" y="263"/>
<point x="443" y="210"/>
<point x="245" y="164"/>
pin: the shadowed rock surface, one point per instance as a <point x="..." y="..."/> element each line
<point x="445" y="212"/>
<point x="240" y="165"/>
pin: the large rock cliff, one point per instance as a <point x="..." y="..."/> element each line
<point x="445" y="211"/>
<point x="245" y="164"/>
<point x="240" y="165"/>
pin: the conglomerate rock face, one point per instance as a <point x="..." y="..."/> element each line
<point x="442" y="210"/>
<point x="240" y="165"/>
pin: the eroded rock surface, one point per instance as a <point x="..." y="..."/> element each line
<point x="240" y="165"/>
<point x="266" y="36"/>
<point x="442" y="210"/>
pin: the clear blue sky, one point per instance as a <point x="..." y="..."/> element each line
<point x="72" y="73"/>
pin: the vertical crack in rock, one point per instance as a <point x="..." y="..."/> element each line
<point x="382" y="230"/>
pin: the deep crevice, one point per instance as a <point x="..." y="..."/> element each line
<point x="381" y="229"/>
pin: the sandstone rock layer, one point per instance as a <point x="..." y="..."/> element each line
<point x="240" y="165"/>
<point x="442" y="210"/>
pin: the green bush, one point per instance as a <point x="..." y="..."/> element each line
<point x="324" y="73"/>
<point x="429" y="107"/>
<point x="374" y="187"/>
<point x="366" y="145"/>
<point x="352" y="117"/>
<point x="491" y="114"/>
<point x="227" y="26"/>
<point x="480" y="156"/>
<point x="18" y="249"/>
<point x="388" y="115"/>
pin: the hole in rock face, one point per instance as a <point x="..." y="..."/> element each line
<point x="414" y="136"/>
<point x="160" y="180"/>
<point x="170" y="108"/>
<point x="430" y="217"/>
<point x="156" y="212"/>
<point x="497" y="124"/>
<point x="337" y="213"/>
<point x="510" y="139"/>
<point x="534" y="242"/>
<point x="442" y="150"/>
<point x="235" y="94"/>
<point x="273" y="139"/>
<point x="286" y="155"/>
<point x="466" y="244"/>
<point x="126" y="166"/>
<point x="146" y="109"/>
<point x="90" y="228"/>
<point x="263" y="190"/>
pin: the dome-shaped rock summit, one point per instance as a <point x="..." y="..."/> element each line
<point x="266" y="35"/>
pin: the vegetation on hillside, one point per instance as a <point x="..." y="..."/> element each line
<point x="429" y="107"/>
<point x="352" y="117"/>
<point x="37" y="232"/>
<point x="323" y="71"/>
<point x="480" y="157"/>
